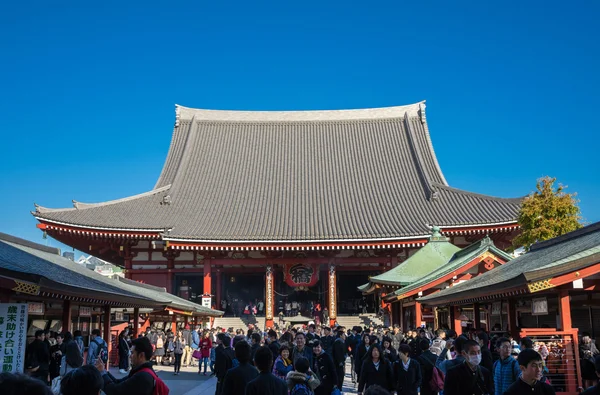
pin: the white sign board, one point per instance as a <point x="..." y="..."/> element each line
<point x="13" y="336"/>
<point x="206" y="301"/>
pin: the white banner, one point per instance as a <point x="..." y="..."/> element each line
<point x="206" y="301"/>
<point x="13" y="336"/>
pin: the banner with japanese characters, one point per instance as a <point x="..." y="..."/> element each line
<point x="13" y="336"/>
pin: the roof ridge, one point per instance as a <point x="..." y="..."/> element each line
<point x="82" y="206"/>
<point x="423" y="172"/>
<point x="186" y="113"/>
<point x="592" y="228"/>
<point x="30" y="244"/>
<point x="475" y="194"/>
<point x="422" y="107"/>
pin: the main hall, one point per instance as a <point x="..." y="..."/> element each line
<point x="285" y="205"/>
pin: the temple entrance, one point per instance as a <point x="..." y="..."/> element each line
<point x="241" y="291"/>
<point x="350" y="299"/>
<point x="305" y="299"/>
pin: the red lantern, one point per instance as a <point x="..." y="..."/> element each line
<point x="301" y="274"/>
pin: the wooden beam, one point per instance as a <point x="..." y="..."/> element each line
<point x="564" y="306"/>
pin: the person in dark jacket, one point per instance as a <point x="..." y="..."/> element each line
<point x="388" y="351"/>
<point x="85" y="380"/>
<point x="327" y="341"/>
<point x="237" y="379"/>
<point x="324" y="369"/>
<point x="123" y="352"/>
<point x="408" y="372"/>
<point x="255" y="339"/>
<point x="138" y="382"/>
<point x="274" y="345"/>
<point x="468" y="377"/>
<point x="531" y="365"/>
<point x="266" y="383"/>
<point x="38" y="357"/>
<point x="339" y="357"/>
<point x="20" y="384"/>
<point x="486" y="355"/>
<point x="56" y="352"/>
<point x="376" y="370"/>
<point x="361" y="351"/>
<point x="301" y="350"/>
<point x="224" y="357"/>
<point x="427" y="361"/>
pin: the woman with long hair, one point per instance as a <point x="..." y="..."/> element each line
<point x="376" y="370"/>
<point x="123" y="349"/>
<point x="361" y="352"/>
<point x="159" y="352"/>
<point x="178" y="346"/>
<point x="388" y="351"/>
<point x="205" y="347"/>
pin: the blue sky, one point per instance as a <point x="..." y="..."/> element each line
<point x="88" y="91"/>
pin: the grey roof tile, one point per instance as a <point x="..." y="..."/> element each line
<point x="297" y="176"/>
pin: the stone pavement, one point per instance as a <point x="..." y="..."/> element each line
<point x="189" y="382"/>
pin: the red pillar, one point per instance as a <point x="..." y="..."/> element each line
<point x="174" y="323"/>
<point x="128" y="267"/>
<point x="107" y="337"/>
<point x="418" y="314"/>
<point x="565" y="310"/>
<point x="477" y="315"/>
<point x="66" y="316"/>
<point x="218" y="292"/>
<point x="136" y="322"/>
<point x="455" y="321"/>
<point x="207" y="278"/>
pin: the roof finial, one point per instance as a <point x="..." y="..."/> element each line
<point x="422" y="112"/>
<point x="177" y="114"/>
<point x="435" y="231"/>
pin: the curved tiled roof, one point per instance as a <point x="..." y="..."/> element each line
<point x="348" y="175"/>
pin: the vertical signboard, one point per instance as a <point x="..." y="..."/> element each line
<point x="13" y="336"/>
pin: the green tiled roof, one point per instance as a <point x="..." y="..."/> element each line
<point x="459" y="259"/>
<point x="432" y="256"/>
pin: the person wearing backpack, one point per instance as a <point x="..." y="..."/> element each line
<point x="302" y="381"/>
<point x="141" y="380"/>
<point x="439" y="343"/>
<point x="427" y="359"/>
<point x="506" y="369"/>
<point x="98" y="349"/>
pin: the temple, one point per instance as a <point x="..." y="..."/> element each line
<point x="281" y="205"/>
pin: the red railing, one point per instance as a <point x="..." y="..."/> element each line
<point x="560" y="350"/>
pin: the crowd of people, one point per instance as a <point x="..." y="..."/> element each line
<point x="304" y="361"/>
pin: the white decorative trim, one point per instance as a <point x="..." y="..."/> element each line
<point x="287" y="248"/>
<point x="186" y="113"/>
<point x="222" y="242"/>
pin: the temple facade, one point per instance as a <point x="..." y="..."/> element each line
<point x="284" y="206"/>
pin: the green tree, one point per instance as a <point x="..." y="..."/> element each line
<point x="546" y="213"/>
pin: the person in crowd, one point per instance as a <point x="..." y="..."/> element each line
<point x="141" y="380"/>
<point x="186" y="358"/>
<point x="20" y="384"/>
<point x="587" y="354"/>
<point x="283" y="364"/>
<point x="376" y="370"/>
<point x="324" y="368"/>
<point x="300" y="350"/>
<point x="274" y="344"/>
<point x="408" y="372"/>
<point x="37" y="357"/>
<point x="427" y="361"/>
<point x="96" y="347"/>
<point x="325" y="315"/>
<point x="178" y="351"/>
<point x="72" y="357"/>
<point x="266" y="383"/>
<point x="594" y="390"/>
<point x="236" y="379"/>
<point x="224" y="357"/>
<point x="376" y="390"/>
<point x="195" y="344"/>
<point x="439" y="343"/>
<point x="260" y="306"/>
<point x="205" y="347"/>
<point x="469" y="377"/>
<point x="327" y="340"/>
<point x="506" y="369"/>
<point x="397" y="337"/>
<point x="123" y="350"/>
<point x="85" y="380"/>
<point x="444" y="364"/>
<point x="388" y="351"/>
<point x="311" y="335"/>
<point x="487" y="360"/>
<point x="159" y="347"/>
<point x="302" y="381"/>
<point x="361" y="352"/>
<point x="352" y="343"/>
<point x="78" y="338"/>
<point x="56" y="354"/>
<point x="213" y="357"/>
<point x="531" y="366"/>
<point x="255" y="344"/>
<point x="339" y="356"/>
